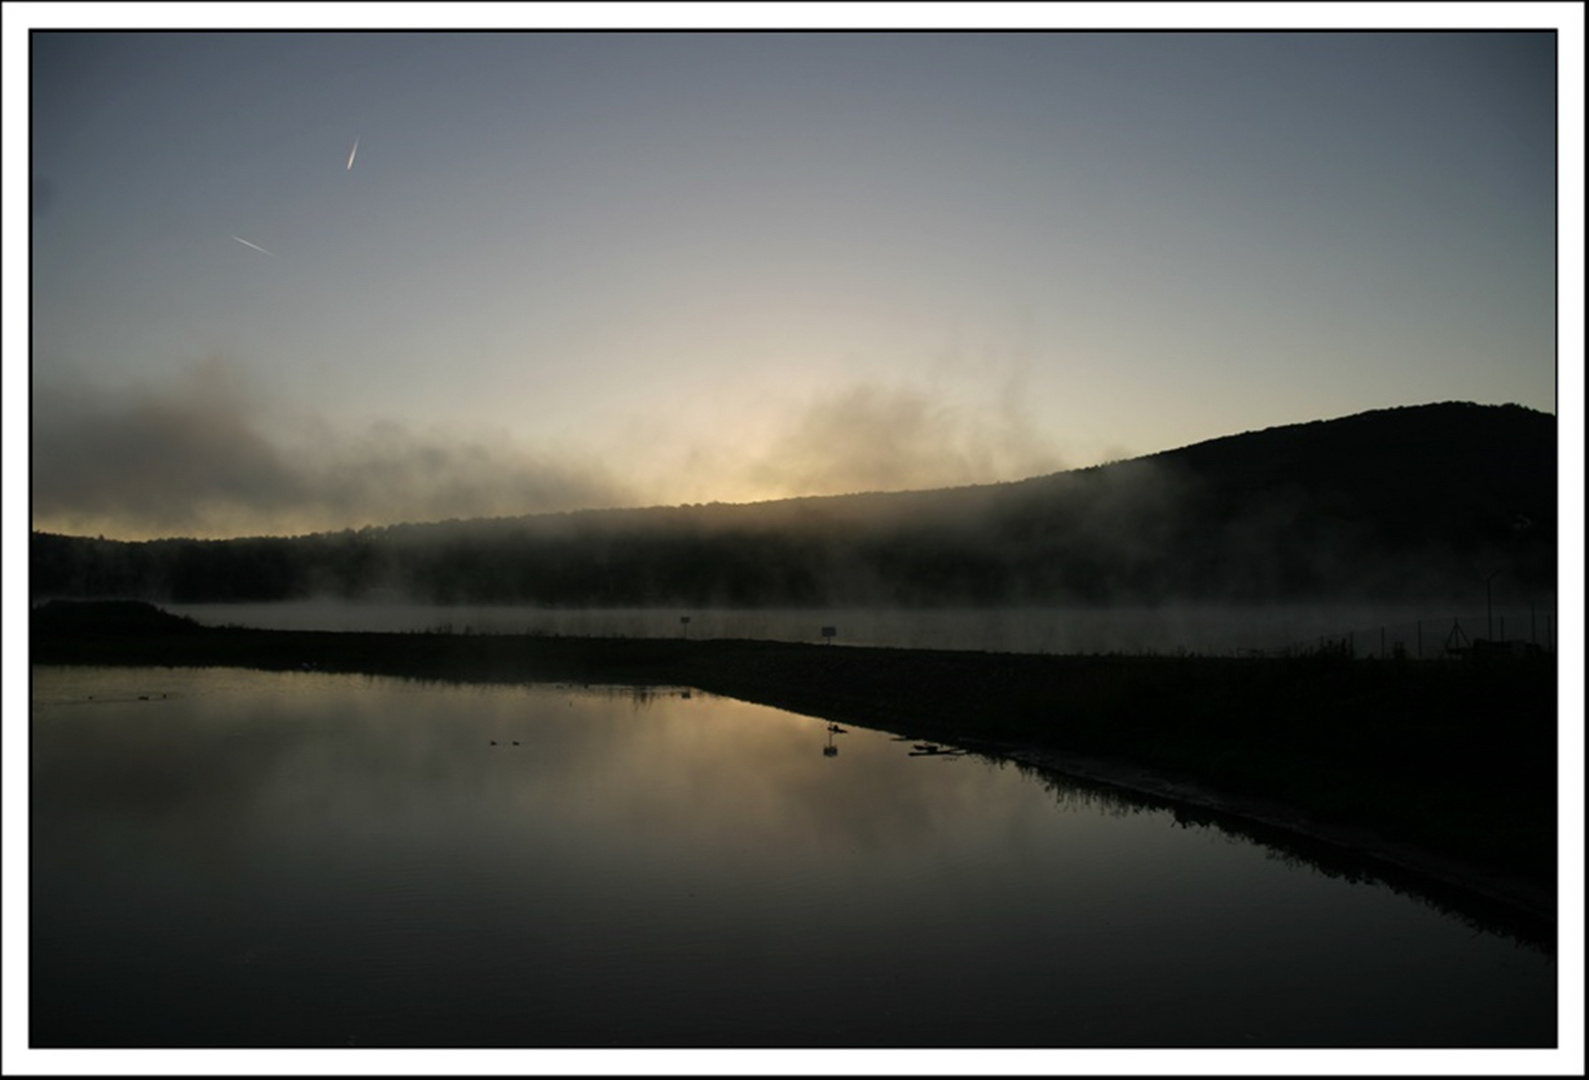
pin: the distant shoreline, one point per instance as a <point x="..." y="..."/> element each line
<point x="1441" y="774"/>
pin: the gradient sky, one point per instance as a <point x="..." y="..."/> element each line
<point x="574" y="269"/>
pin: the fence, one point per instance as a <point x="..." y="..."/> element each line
<point x="1435" y="638"/>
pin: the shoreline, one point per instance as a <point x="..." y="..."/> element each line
<point x="1335" y="755"/>
<point x="1473" y="890"/>
<point x="1532" y="900"/>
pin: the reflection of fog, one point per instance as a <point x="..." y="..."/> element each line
<point x="331" y="759"/>
<point x="119" y="755"/>
<point x="676" y="861"/>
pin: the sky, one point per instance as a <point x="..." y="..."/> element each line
<point x="295" y="281"/>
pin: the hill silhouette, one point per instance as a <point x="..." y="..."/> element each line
<point x="1413" y="502"/>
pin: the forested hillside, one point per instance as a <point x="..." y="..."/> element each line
<point x="1410" y="502"/>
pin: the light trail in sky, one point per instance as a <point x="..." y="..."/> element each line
<point x="354" y="152"/>
<point x="256" y="247"/>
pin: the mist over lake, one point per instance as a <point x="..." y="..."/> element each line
<point x="1203" y="629"/>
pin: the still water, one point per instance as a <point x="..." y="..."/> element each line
<point x="233" y="858"/>
<point x="1211" y="629"/>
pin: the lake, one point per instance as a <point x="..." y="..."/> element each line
<point x="236" y="858"/>
<point x="1210" y="629"/>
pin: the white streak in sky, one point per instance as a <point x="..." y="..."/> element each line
<point x="354" y="152"/>
<point x="256" y="247"/>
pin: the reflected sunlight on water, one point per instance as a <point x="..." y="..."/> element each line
<point x="248" y="858"/>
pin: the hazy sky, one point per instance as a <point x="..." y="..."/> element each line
<point x="570" y="269"/>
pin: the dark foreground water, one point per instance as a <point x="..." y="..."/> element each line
<point x="229" y="858"/>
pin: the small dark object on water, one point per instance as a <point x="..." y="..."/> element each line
<point x="515" y="742"/>
<point x="493" y="742"/>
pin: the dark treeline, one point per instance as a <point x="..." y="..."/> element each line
<point x="1419" y="502"/>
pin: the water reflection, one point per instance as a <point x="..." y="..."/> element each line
<point x="934" y="750"/>
<point x="308" y="859"/>
<point x="1536" y="933"/>
<point x="830" y="750"/>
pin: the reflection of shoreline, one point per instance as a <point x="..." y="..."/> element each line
<point x="1303" y="730"/>
<point x="1512" y="905"/>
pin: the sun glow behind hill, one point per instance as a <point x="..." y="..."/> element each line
<point x="573" y="270"/>
<point x="215" y="458"/>
<point x="1401" y="502"/>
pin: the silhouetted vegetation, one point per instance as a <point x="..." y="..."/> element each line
<point x="1413" y="502"/>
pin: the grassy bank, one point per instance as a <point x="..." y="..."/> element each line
<point x="1455" y="758"/>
